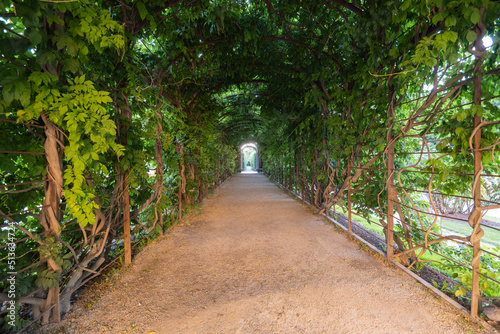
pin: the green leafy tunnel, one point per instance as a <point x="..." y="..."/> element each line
<point x="117" y="116"/>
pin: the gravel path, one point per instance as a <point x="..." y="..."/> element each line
<point x="257" y="261"/>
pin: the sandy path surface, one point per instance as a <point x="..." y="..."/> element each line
<point x="257" y="261"/>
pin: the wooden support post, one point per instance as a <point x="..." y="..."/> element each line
<point x="349" y="194"/>
<point x="240" y="161"/>
<point x="282" y="174"/>
<point x="126" y="221"/>
<point x="179" y="206"/>
<point x="476" y="246"/>
<point x="476" y="191"/>
<point x="56" y="312"/>
<point x="296" y="173"/>
<point x="390" y="180"/>
<point x="161" y="222"/>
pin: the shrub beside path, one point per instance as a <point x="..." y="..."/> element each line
<point x="254" y="260"/>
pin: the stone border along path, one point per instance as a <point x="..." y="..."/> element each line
<point x="255" y="260"/>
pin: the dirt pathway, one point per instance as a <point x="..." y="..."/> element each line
<point x="257" y="261"/>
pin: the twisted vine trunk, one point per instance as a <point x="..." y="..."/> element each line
<point x="51" y="214"/>
<point x="478" y="49"/>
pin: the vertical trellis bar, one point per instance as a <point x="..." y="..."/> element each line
<point x="390" y="181"/>
<point x="476" y="194"/>
<point x="56" y="314"/>
<point x="349" y="194"/>
<point x="283" y="171"/>
<point x="126" y="221"/>
<point x="295" y="172"/>
<point x="239" y="169"/>
<point x="476" y="190"/>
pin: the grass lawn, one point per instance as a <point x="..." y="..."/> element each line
<point x="372" y="227"/>
<point x="493" y="219"/>
<point x="491" y="237"/>
<point x="490" y="241"/>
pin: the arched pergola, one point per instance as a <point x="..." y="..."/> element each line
<point x="360" y="106"/>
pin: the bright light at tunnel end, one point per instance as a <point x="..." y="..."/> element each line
<point x="252" y="145"/>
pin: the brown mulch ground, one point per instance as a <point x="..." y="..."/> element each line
<point x="254" y="260"/>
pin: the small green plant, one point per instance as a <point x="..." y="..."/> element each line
<point x="488" y="287"/>
<point x="16" y="324"/>
<point x="444" y="287"/>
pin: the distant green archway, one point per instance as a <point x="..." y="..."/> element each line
<point x="249" y="158"/>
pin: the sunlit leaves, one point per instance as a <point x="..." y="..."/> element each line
<point x="471" y="36"/>
<point x="83" y="113"/>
